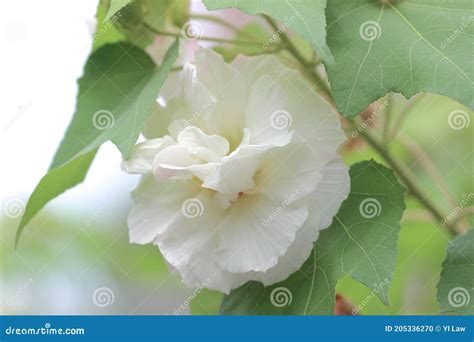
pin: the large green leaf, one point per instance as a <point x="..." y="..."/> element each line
<point x="362" y="242"/>
<point x="456" y="286"/>
<point x="305" y="17"/>
<point x="399" y="46"/>
<point x="54" y="183"/>
<point x="116" y="94"/>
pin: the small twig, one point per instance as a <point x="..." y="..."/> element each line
<point x="387" y="114"/>
<point x="410" y="184"/>
<point x="463" y="213"/>
<point x="404" y="113"/>
<point x="205" y="38"/>
<point x="308" y="65"/>
<point x="214" y="19"/>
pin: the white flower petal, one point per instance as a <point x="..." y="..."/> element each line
<point x="313" y="120"/>
<point x="156" y="206"/>
<point x="144" y="153"/>
<point x="256" y="232"/>
<point x="266" y="101"/>
<point x="329" y="194"/>
<point x="208" y="148"/>
<point x="261" y="165"/>
<point x="225" y="83"/>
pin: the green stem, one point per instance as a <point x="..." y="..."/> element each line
<point x="409" y="183"/>
<point x="309" y="66"/>
<point x="214" y="19"/>
<point x="205" y="38"/>
<point x="463" y="214"/>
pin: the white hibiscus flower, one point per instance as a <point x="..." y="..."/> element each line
<point x="240" y="172"/>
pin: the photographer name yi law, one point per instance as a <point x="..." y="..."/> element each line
<point x="425" y="328"/>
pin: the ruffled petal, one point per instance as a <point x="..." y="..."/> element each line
<point x="266" y="114"/>
<point x="313" y="120"/>
<point x="156" y="206"/>
<point x="144" y="153"/>
<point x="331" y="191"/>
<point x="226" y="84"/>
<point x="256" y="232"/>
<point x="203" y="147"/>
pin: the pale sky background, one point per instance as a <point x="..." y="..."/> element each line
<point x="43" y="54"/>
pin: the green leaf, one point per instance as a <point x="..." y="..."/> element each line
<point x="305" y="17"/>
<point x="361" y="242"/>
<point x="105" y="32"/>
<point x="400" y="46"/>
<point x="116" y="94"/>
<point x="115" y="6"/>
<point x="456" y="286"/>
<point x="54" y="183"/>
